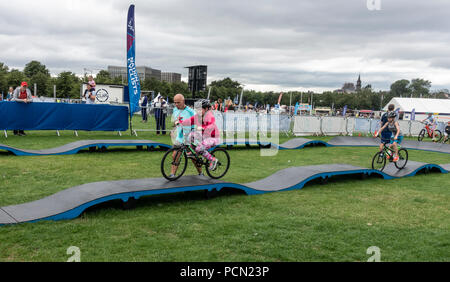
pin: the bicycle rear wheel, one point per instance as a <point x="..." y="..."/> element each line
<point x="402" y="158"/>
<point x="379" y="161"/>
<point x="421" y="135"/>
<point x="223" y="163"/>
<point x="174" y="161"/>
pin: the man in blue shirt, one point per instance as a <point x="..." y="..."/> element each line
<point x="181" y="111"/>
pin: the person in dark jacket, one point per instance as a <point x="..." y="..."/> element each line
<point x="144" y="108"/>
<point x="160" y="106"/>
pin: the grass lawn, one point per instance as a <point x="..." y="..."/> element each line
<point x="408" y="219"/>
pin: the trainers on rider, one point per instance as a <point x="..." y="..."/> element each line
<point x="213" y="164"/>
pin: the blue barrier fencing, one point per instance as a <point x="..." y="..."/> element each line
<point x="62" y="116"/>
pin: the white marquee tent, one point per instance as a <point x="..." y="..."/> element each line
<point x="439" y="107"/>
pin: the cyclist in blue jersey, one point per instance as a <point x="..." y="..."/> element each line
<point x="394" y="128"/>
<point x="385" y="134"/>
<point x="431" y="121"/>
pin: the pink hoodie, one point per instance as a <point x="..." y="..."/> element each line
<point x="210" y="129"/>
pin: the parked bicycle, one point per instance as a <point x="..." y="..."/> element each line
<point x="174" y="161"/>
<point x="380" y="158"/>
<point x="429" y="132"/>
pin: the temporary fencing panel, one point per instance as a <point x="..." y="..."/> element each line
<point x="404" y="127"/>
<point x="285" y="123"/>
<point x="306" y="125"/>
<point x="350" y="125"/>
<point x="416" y="127"/>
<point x="362" y="125"/>
<point x="333" y="125"/>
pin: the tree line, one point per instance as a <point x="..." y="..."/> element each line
<point x="68" y="86"/>
<point x="366" y="98"/>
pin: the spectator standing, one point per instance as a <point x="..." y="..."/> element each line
<point x="446" y="132"/>
<point x="23" y="95"/>
<point x="160" y="106"/>
<point x="89" y="95"/>
<point x="92" y="83"/>
<point x="144" y="108"/>
<point x="219" y="105"/>
<point x="10" y="94"/>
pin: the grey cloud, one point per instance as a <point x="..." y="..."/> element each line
<point x="256" y="41"/>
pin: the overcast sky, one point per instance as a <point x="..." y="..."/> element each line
<point x="266" y="45"/>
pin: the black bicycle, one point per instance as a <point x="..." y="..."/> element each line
<point x="379" y="159"/>
<point x="174" y="162"/>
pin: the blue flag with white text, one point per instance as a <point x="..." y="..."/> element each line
<point x="134" y="88"/>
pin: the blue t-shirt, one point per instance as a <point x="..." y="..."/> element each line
<point x="185" y="114"/>
<point x="431" y="120"/>
<point x="385" y="134"/>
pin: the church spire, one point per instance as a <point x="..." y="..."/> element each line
<point x="358" y="83"/>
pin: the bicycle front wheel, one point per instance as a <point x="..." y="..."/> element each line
<point x="223" y="163"/>
<point x="438" y="135"/>
<point x="402" y="158"/>
<point x="173" y="164"/>
<point x="379" y="161"/>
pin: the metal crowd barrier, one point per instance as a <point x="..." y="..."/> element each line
<point x="311" y="125"/>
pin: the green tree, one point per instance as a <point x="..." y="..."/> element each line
<point x="42" y="82"/>
<point x="400" y="88"/>
<point x="68" y="85"/>
<point x="3" y="78"/>
<point x="35" y="67"/>
<point x="15" y="78"/>
<point x="227" y="83"/>
<point x="151" y="84"/>
<point x="103" y="77"/>
<point x="181" y="87"/>
<point x="420" y="87"/>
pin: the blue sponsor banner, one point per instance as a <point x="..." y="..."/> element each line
<point x="344" y="111"/>
<point x="62" y="116"/>
<point x="134" y="88"/>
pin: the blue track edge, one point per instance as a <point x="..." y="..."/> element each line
<point x="19" y="152"/>
<point x="76" y="212"/>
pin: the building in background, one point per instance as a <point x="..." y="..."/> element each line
<point x="170" y="77"/>
<point x="143" y="72"/>
<point x="197" y="78"/>
<point x="350" y="87"/>
<point x="358" y="83"/>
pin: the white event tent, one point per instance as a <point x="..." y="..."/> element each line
<point x="422" y="106"/>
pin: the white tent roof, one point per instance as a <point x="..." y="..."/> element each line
<point x="422" y="105"/>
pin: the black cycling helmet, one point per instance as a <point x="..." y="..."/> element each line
<point x="392" y="115"/>
<point x="205" y="103"/>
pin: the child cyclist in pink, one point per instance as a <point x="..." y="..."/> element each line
<point x="207" y="134"/>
